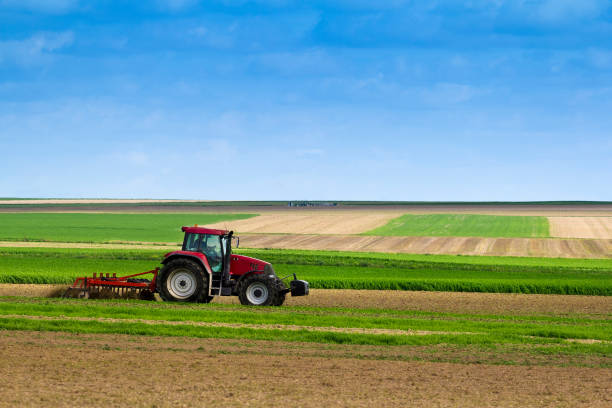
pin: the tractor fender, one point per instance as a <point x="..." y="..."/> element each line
<point x="203" y="262"/>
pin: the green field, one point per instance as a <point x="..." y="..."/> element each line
<point x="530" y="338"/>
<point x="81" y="227"/>
<point x="465" y="225"/>
<point x="338" y="270"/>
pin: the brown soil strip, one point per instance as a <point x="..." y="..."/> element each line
<point x="581" y="227"/>
<point x="450" y="302"/>
<point x="528" y="247"/>
<point x="61" y="369"/>
<point x="535" y="247"/>
<point x="292" y="327"/>
<point x="339" y="222"/>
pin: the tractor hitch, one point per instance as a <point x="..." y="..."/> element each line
<point x="297" y="287"/>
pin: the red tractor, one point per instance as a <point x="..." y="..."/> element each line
<point x="204" y="268"/>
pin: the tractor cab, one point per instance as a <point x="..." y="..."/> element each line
<point x="211" y="245"/>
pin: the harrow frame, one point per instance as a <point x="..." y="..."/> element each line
<point x="120" y="285"/>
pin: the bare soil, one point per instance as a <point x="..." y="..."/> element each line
<point x="581" y="227"/>
<point x="320" y="222"/>
<point x="452" y="302"/>
<point x="536" y="247"/>
<point x="61" y="369"/>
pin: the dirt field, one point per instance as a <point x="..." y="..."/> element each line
<point x="581" y="227"/>
<point x="61" y="369"/>
<point x="538" y="247"/>
<point x="451" y="302"/>
<point x="341" y="222"/>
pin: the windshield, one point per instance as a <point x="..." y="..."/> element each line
<point x="211" y="247"/>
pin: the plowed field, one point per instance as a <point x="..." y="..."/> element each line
<point x="445" y="302"/>
<point x="539" y="247"/>
<point x="340" y="222"/>
<point x="581" y="227"/>
<point x="61" y="369"/>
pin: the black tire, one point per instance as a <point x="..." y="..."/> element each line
<point x="258" y="290"/>
<point x="183" y="280"/>
<point x="280" y="290"/>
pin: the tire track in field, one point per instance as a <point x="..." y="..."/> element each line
<point x="292" y="327"/>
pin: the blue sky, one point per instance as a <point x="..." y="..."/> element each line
<point x="346" y="100"/>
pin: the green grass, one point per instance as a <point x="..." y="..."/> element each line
<point x="338" y="270"/>
<point x="378" y="259"/>
<point x="533" y="336"/>
<point x="508" y="326"/>
<point x="464" y="225"/>
<point x="80" y="227"/>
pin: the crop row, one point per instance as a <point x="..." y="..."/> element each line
<point x="340" y="271"/>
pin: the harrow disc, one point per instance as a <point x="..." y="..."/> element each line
<point x="76" y="293"/>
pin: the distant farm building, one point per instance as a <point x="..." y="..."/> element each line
<point x="311" y="204"/>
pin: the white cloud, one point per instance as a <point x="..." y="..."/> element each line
<point x="34" y="49"/>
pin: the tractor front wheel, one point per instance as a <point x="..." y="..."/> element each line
<point x="257" y="290"/>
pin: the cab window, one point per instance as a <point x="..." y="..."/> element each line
<point x="211" y="247"/>
<point x="192" y="242"/>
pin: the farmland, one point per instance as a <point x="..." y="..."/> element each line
<point x="464" y="225"/>
<point x="79" y="227"/>
<point x="382" y="322"/>
<point x="339" y="229"/>
<point x="495" y="354"/>
<point x="338" y="270"/>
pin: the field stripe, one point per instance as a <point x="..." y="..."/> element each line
<point x="581" y="227"/>
<point x="292" y="327"/>
<point x="522" y="247"/>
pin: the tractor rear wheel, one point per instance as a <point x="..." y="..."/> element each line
<point x="183" y="280"/>
<point x="257" y="290"/>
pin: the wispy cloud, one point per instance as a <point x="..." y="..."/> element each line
<point x="34" y="49"/>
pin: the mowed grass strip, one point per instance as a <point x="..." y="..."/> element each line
<point x="529" y="327"/>
<point x="465" y="225"/>
<point x="333" y="271"/>
<point x="515" y="342"/>
<point x="82" y="227"/>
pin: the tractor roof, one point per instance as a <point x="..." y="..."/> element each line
<point x="200" y="230"/>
